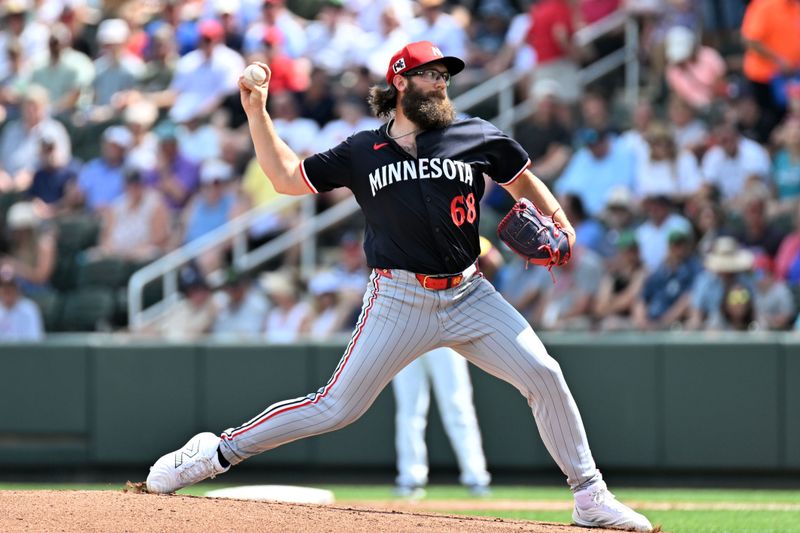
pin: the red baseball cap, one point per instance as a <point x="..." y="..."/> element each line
<point x="415" y="55"/>
<point x="211" y="28"/>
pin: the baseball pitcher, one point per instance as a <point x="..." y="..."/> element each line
<point x="419" y="180"/>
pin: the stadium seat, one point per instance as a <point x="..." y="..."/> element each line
<point x="107" y="272"/>
<point x="49" y="303"/>
<point x="87" y="309"/>
<point x="76" y="233"/>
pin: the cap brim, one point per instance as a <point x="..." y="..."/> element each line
<point x="453" y="64"/>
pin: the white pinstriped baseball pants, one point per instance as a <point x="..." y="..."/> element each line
<point x="400" y="321"/>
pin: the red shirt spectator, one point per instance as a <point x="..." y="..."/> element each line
<point x="549" y="18"/>
<point x="594" y="10"/>
<point x="286" y="72"/>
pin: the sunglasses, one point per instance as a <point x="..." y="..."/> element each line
<point x="430" y="75"/>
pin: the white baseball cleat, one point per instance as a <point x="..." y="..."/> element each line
<point x="196" y="461"/>
<point x="596" y="506"/>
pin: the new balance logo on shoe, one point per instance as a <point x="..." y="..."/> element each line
<point x="188" y="452"/>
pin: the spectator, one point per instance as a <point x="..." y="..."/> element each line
<point x="288" y="74"/>
<point x="174" y="176"/>
<point x="51" y="180"/>
<point x="725" y="265"/>
<point x="205" y="76"/>
<point x="31" y="249"/>
<point x="317" y="102"/>
<point x="369" y="15"/>
<point x="551" y="36"/>
<point x="516" y="53"/>
<point x="487" y="33"/>
<point x="756" y="231"/>
<point x="243" y="314"/>
<point x="20" y="141"/>
<point x="136" y="226"/>
<point x="139" y="118"/>
<point x="29" y="34"/>
<point x="665" y="297"/>
<point x="689" y="131"/>
<point x="734" y="162"/>
<point x="709" y="221"/>
<point x="226" y="11"/>
<point x="66" y="74"/>
<point x="694" y="73"/>
<point x="101" y="180"/>
<point x="116" y="70"/>
<point x="769" y="32"/>
<point x="665" y="170"/>
<point x="443" y="29"/>
<point x="353" y="117"/>
<point x="331" y="313"/>
<point x="544" y="135"/>
<point x="589" y="231"/>
<point x="636" y="137"/>
<point x="390" y="35"/>
<point x="775" y="307"/>
<point x="275" y="15"/>
<point x="14" y="80"/>
<point x="737" y="310"/>
<point x="198" y="140"/>
<point x="568" y="303"/>
<point x="20" y="318"/>
<point x="620" y="286"/>
<point x="193" y="316"/>
<point x="787" y="260"/>
<point x="333" y="38"/>
<point x="602" y="164"/>
<point x="159" y="68"/>
<point x="216" y="205"/>
<point x="786" y="168"/>
<point x="620" y="215"/>
<point x="298" y="132"/>
<point x="289" y="319"/>
<point x="652" y="235"/>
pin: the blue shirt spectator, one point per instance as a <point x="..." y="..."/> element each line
<point x="786" y="175"/>
<point x="597" y="168"/>
<point x="49" y="182"/>
<point x="726" y="264"/>
<point x="101" y="181"/>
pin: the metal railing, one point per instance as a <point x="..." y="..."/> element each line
<point x="501" y="87"/>
<point x="235" y="232"/>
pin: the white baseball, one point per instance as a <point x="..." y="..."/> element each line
<point x="255" y="74"/>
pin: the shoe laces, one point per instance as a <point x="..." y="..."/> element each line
<point x="200" y="467"/>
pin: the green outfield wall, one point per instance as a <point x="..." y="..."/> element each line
<point x="666" y="402"/>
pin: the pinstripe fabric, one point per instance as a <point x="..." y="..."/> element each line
<point x="399" y="321"/>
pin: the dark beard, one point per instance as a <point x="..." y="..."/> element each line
<point x="428" y="111"/>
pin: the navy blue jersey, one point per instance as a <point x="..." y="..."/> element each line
<point x="421" y="212"/>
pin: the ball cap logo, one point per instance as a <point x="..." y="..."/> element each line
<point x="420" y="53"/>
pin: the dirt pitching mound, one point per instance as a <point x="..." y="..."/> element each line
<point x="117" y="511"/>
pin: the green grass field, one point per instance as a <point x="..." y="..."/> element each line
<point x="762" y="511"/>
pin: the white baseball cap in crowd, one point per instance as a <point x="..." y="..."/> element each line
<point x="544" y="88"/>
<point x="22" y="215"/>
<point x="113" y="31"/>
<point x="214" y="170"/>
<point x="680" y="43"/>
<point x="119" y="135"/>
<point x="324" y="283"/>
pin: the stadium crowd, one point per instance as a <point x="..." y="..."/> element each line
<point x="122" y="138"/>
